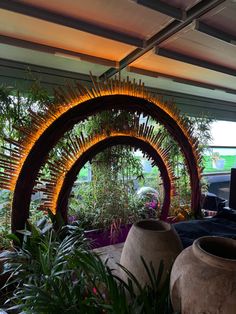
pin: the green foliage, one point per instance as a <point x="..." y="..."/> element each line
<point x="110" y="196"/>
<point x="57" y="273"/>
<point x="14" y="106"/>
<point x="5" y="218"/>
<point x="100" y="205"/>
<point x="202" y="131"/>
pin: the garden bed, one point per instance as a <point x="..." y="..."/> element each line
<point x="105" y="237"/>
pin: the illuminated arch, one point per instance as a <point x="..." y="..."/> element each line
<point x="63" y="175"/>
<point x="74" y="105"/>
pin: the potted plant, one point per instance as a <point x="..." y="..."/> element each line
<point x="57" y="272"/>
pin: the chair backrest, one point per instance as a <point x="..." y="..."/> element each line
<point x="232" y="192"/>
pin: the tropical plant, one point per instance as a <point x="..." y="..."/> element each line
<point x="99" y="205"/>
<point x="14" y="106"/>
<point x="202" y="131"/>
<point x="110" y="195"/>
<point x="56" y="272"/>
<point x="5" y="216"/>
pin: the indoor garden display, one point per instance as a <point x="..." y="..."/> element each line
<point x="116" y="168"/>
<point x="56" y="272"/>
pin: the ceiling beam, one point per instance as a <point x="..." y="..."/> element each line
<point x="68" y="21"/>
<point x="162" y="7"/>
<point x="175" y="26"/>
<point x="203" y="110"/>
<point x="37" y="69"/>
<point x="180" y="80"/>
<point x="214" y="32"/>
<point x="55" y="51"/>
<point x="194" y="61"/>
<point x="22" y="75"/>
<point x="199" y="105"/>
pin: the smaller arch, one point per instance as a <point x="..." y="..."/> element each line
<point x="63" y="177"/>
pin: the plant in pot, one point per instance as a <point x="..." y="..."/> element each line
<point x="56" y="272"/>
<point x="106" y="208"/>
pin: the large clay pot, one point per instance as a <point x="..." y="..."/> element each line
<point x="203" y="277"/>
<point x="154" y="240"/>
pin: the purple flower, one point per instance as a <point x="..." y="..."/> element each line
<point x="153" y="204"/>
<point x="72" y="218"/>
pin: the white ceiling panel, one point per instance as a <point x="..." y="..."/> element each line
<point x="182" y="4"/>
<point x="223" y="17"/>
<point x="190" y="49"/>
<point x="153" y="62"/>
<point x="42" y="32"/>
<point x="50" y="60"/>
<point x="198" y="45"/>
<point x="169" y="84"/>
<point x="120" y="15"/>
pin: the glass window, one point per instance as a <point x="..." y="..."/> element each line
<point x="219" y="159"/>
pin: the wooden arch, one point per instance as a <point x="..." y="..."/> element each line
<point x="73" y="106"/>
<point x="63" y="175"/>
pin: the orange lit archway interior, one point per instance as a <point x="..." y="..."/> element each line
<point x="63" y="174"/>
<point x="75" y="104"/>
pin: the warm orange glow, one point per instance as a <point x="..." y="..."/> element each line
<point x="59" y="174"/>
<point x="75" y="96"/>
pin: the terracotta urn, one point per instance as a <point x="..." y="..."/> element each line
<point x="203" y="277"/>
<point x="154" y="240"/>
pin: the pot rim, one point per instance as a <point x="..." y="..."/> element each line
<point x="140" y="225"/>
<point x="212" y="259"/>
